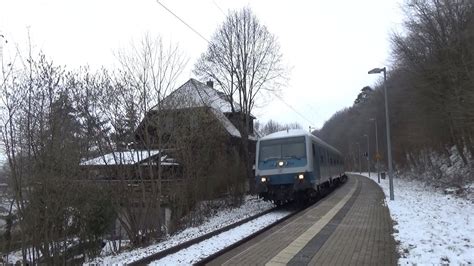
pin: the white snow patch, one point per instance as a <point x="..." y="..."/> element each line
<point x="431" y="227"/>
<point x="286" y="134"/>
<point x="441" y="169"/>
<point x="225" y="122"/>
<point x="123" y="157"/>
<point x="196" y="94"/>
<point x="197" y="252"/>
<point x="15" y="257"/>
<point x="290" y="133"/>
<point x="228" y="216"/>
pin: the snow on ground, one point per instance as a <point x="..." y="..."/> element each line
<point x="431" y="227"/>
<point x="15" y="257"/>
<point x="5" y="203"/>
<point x="199" y="251"/>
<point x="221" y="219"/>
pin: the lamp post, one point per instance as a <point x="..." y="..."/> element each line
<point x="368" y="153"/>
<point x="387" y="124"/>
<point x="376" y="149"/>
<point x="1" y="48"/>
<point x="358" y="151"/>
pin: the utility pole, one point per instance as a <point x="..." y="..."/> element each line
<point x="358" y="151"/>
<point x="387" y="124"/>
<point x="1" y="51"/>
<point x="377" y="155"/>
<point x="368" y="153"/>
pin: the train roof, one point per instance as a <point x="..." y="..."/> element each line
<point x="299" y="133"/>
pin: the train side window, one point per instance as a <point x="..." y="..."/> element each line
<point x="322" y="159"/>
<point x="314" y="150"/>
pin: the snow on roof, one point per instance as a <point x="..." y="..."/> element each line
<point x="196" y="94"/>
<point x="287" y="133"/>
<point x="226" y="123"/>
<point x="129" y="157"/>
<point x="297" y="133"/>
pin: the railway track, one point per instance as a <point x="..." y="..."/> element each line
<point x="163" y="253"/>
<point x="247" y="238"/>
<point x="291" y="210"/>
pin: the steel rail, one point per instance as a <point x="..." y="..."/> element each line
<point x="163" y="253"/>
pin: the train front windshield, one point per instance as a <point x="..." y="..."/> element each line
<point x="277" y="149"/>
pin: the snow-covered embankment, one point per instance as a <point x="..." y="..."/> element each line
<point x="432" y="227"/>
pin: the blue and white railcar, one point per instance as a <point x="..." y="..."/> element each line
<point x="295" y="163"/>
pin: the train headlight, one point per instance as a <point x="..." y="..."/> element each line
<point x="301" y="176"/>
<point x="281" y="163"/>
<point x="263" y="179"/>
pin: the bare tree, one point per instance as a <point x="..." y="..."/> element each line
<point x="149" y="72"/>
<point x="273" y="126"/>
<point x="41" y="133"/>
<point x="431" y="93"/>
<point x="244" y="58"/>
<point x="435" y="54"/>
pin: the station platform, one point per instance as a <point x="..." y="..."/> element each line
<point x="351" y="226"/>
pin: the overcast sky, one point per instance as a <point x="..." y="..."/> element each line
<point x="329" y="45"/>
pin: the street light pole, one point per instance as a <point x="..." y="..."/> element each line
<point x="1" y="48"/>
<point x="376" y="149"/>
<point x="368" y="153"/>
<point x="358" y="151"/>
<point x="387" y="124"/>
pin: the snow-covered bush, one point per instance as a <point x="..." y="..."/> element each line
<point x="441" y="169"/>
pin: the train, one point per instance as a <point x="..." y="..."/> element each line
<point x="295" y="165"/>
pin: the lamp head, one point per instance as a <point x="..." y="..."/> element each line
<point x="377" y="70"/>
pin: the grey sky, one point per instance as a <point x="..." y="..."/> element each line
<point x="330" y="45"/>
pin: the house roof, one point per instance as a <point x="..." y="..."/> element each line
<point x="128" y="157"/>
<point x="197" y="94"/>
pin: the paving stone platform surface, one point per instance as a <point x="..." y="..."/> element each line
<point x="351" y="226"/>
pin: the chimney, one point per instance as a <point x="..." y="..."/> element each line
<point x="210" y="84"/>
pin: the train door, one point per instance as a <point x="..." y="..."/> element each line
<point x="316" y="163"/>
<point x="323" y="167"/>
<point x="340" y="166"/>
<point x="329" y="160"/>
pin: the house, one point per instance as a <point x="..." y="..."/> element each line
<point x="197" y="113"/>
<point x="105" y="167"/>
<point x="192" y="120"/>
<point x="189" y="146"/>
<point x="195" y="96"/>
